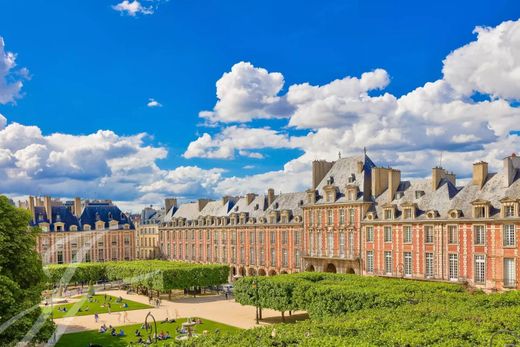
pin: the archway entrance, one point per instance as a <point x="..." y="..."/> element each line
<point x="262" y="272"/>
<point x="283" y="272"/>
<point x="351" y="271"/>
<point x="251" y="272"/>
<point x="272" y="273"/>
<point x="242" y="271"/>
<point x="331" y="268"/>
<point x="310" y="268"/>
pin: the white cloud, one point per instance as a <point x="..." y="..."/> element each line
<point x="153" y="103"/>
<point x="247" y="92"/>
<point x="133" y="8"/>
<point x="231" y="139"/>
<point x="10" y="78"/>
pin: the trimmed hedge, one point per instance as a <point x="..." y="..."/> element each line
<point x="152" y="274"/>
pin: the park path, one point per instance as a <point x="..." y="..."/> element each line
<point x="215" y="308"/>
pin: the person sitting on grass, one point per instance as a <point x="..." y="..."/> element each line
<point x="125" y="305"/>
<point x="167" y="335"/>
<point x="103" y="329"/>
<point x="198" y="321"/>
<point x="113" y="332"/>
<point x="121" y="332"/>
<point x="137" y="332"/>
<point x="140" y="341"/>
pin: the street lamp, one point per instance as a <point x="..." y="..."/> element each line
<point x="255" y="286"/>
<point x="504" y="332"/>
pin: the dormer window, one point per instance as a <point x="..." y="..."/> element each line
<point x="388" y="213"/>
<point x="419" y="193"/>
<point x="109" y="215"/>
<point x="73" y="228"/>
<point x="431" y="214"/>
<point x="509" y="207"/>
<point x="257" y="207"/>
<point x="276" y="205"/>
<point x="371" y="216"/>
<point x="351" y="178"/>
<point x="480" y="208"/>
<point x="86" y="227"/>
<point x="454" y="214"/>
<point x="408" y="213"/>
<point x="100" y="225"/>
<point x="509" y="211"/>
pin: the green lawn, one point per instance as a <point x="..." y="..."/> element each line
<point x="97" y="306"/>
<point x="83" y="339"/>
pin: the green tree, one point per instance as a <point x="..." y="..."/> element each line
<point x="21" y="275"/>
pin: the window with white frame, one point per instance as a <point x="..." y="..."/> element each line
<point x="388" y="233"/>
<point x="252" y="256"/>
<point x="453" y="270"/>
<point x="388" y="213"/>
<point x="428" y="234"/>
<point x="311" y="243"/>
<point x="242" y="255"/>
<point x="285" y="257"/>
<point x="320" y="243"/>
<point x="509" y="210"/>
<point x="509" y="235"/>
<point x="330" y="217"/>
<point x="370" y="261"/>
<point x="342" y="216"/>
<point x="311" y="217"/>
<point x="388" y="262"/>
<point x="407" y="234"/>
<point x="370" y="233"/>
<point x="480" y="269"/>
<point x="428" y="270"/>
<point x="509" y="272"/>
<point x="407" y="213"/>
<point x="452" y="234"/>
<point x="342" y="244"/>
<point x="479" y="237"/>
<point x="351" y="216"/>
<point x="330" y="244"/>
<point x="273" y="257"/>
<point x="318" y="218"/>
<point x="407" y="268"/>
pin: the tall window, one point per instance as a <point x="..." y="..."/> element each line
<point x="453" y="271"/>
<point x="252" y="237"/>
<point x="342" y="216"/>
<point x="428" y="234"/>
<point x="452" y="234"/>
<point x="285" y="237"/>
<point x="273" y="237"/>
<point x="311" y="217"/>
<point x="320" y="244"/>
<point x="330" y="244"/>
<point x="407" y="264"/>
<point x="480" y="269"/>
<point x="509" y="235"/>
<point x="261" y="237"/>
<point x="428" y="271"/>
<point x="370" y="234"/>
<point x="285" y="257"/>
<point x="242" y="255"/>
<point x="330" y="217"/>
<point x="479" y="235"/>
<point x="388" y="233"/>
<point x="252" y="257"/>
<point x="208" y="252"/>
<point x="388" y="262"/>
<point x="370" y="261"/>
<point x="509" y="272"/>
<point x="351" y="214"/>
<point x="351" y="244"/>
<point x="311" y="243"/>
<point x="407" y="235"/>
<point x="297" y="258"/>
<point x="342" y="244"/>
<point x="273" y="257"/>
<point x="262" y="257"/>
<point x="318" y="218"/>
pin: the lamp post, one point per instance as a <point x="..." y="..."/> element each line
<point x="504" y="332"/>
<point x="255" y="286"/>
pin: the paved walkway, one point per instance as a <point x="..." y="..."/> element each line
<point x="215" y="308"/>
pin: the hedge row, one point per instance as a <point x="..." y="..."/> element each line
<point x="152" y="274"/>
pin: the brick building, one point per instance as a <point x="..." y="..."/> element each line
<point x="81" y="231"/>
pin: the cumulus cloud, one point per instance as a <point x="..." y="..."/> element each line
<point x="133" y="8"/>
<point x="246" y="93"/>
<point x="153" y="103"/>
<point x="10" y="78"/>
<point x="231" y="139"/>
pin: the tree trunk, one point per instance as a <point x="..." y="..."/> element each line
<point x="170" y="295"/>
<point x="261" y="312"/>
<point x="283" y="316"/>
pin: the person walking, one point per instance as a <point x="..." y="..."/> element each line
<point x="109" y="307"/>
<point x="125" y="316"/>
<point x="96" y="317"/>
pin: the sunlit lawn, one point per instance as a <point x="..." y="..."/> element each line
<point x="96" y="306"/>
<point x="83" y="339"/>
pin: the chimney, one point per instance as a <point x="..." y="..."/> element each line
<point x="250" y="197"/>
<point x="169" y="203"/>
<point x="77" y="207"/>
<point x="394" y="178"/>
<point x="359" y="165"/>
<point x="320" y="168"/>
<point x="270" y="196"/>
<point x="511" y="164"/>
<point x="379" y="180"/>
<point x="31" y="208"/>
<point x="438" y="174"/>
<point x="225" y="199"/>
<point x="48" y="208"/>
<point x="451" y="177"/>
<point x="202" y="203"/>
<point x="480" y="172"/>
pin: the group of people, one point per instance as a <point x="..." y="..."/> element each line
<point x="156" y="301"/>
<point x="112" y="330"/>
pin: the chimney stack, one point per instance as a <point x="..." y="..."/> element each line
<point x="225" y="199"/>
<point x="77" y="207"/>
<point x="202" y="203"/>
<point x="250" y="197"/>
<point x="379" y="180"/>
<point x="480" y="172"/>
<point x="394" y="179"/>
<point x="48" y="208"/>
<point x="360" y="165"/>
<point x="511" y="164"/>
<point x="320" y="168"/>
<point x="169" y="203"/>
<point x="31" y="208"/>
<point x="270" y="196"/>
<point x="437" y="175"/>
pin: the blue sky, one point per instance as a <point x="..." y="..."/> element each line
<point x="93" y="67"/>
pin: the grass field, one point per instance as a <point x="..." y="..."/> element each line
<point x="96" y="306"/>
<point x="83" y="339"/>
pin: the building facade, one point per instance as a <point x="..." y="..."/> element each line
<point x="147" y="234"/>
<point x="360" y="218"/>
<point x="81" y="231"/>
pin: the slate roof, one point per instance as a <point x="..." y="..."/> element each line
<point x="103" y="211"/>
<point x="59" y="214"/>
<point x="288" y="201"/>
